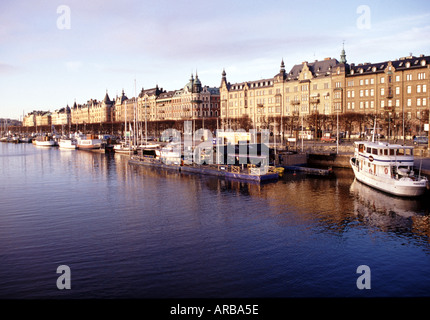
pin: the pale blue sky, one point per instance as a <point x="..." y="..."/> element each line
<point x="112" y="44"/>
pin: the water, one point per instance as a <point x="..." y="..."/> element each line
<point x="136" y="232"/>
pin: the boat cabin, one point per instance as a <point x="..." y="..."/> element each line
<point x="383" y="159"/>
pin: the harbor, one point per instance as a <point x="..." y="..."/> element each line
<point x="136" y="231"/>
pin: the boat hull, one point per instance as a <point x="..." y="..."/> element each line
<point x="70" y="145"/>
<point x="49" y="143"/>
<point x="89" y="144"/>
<point x="404" y="187"/>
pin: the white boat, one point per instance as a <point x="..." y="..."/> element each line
<point x="45" y="141"/>
<point x="387" y="167"/>
<point x="88" y="142"/>
<point x="123" y="148"/>
<point x="67" y="144"/>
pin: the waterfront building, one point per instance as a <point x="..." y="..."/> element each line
<point x="43" y="118"/>
<point x="307" y="97"/>
<point x="29" y="120"/>
<point x="271" y="103"/>
<point x="396" y="92"/>
<point x="61" y="117"/>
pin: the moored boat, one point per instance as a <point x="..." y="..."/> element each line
<point x="387" y="167"/>
<point x="45" y="141"/>
<point x="88" y="142"/>
<point x="67" y="144"/>
<point x="123" y="148"/>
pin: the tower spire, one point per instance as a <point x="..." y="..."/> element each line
<point x="342" y="54"/>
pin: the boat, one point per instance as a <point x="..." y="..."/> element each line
<point x="45" y="141"/>
<point x="123" y="147"/>
<point x="88" y="142"/>
<point x="25" y="139"/>
<point x="387" y="167"/>
<point x="67" y="144"/>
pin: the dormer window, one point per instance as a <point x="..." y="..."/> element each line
<point x="423" y="63"/>
<point x="408" y="64"/>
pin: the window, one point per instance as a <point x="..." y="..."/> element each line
<point x="366" y="81"/>
<point x="372" y="92"/>
<point x="382" y="80"/>
<point x="382" y="91"/>
<point x="424" y="88"/>
<point x="397" y="78"/>
<point x="397" y="90"/>
<point x="408" y="77"/>
<point x="419" y="88"/>
<point x="361" y="93"/>
<point x="361" y="82"/>
<point x="409" y="89"/>
<point x="421" y="75"/>
<point x="397" y="103"/>
<point x="372" y="81"/>
<point x="418" y="102"/>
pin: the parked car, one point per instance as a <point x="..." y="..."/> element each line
<point x="421" y="140"/>
<point x="327" y="137"/>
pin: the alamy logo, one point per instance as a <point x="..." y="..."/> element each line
<point x="363" y="281"/>
<point x="64" y="20"/>
<point x="363" y="21"/>
<point x="64" y="281"/>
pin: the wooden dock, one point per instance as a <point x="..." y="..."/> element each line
<point x="254" y="174"/>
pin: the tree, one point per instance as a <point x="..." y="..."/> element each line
<point x="245" y="122"/>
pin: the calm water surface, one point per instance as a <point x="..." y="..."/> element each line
<point x="133" y="232"/>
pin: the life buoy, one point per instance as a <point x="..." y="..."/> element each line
<point x="386" y="170"/>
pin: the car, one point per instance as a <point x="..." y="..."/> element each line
<point x="421" y="140"/>
<point x="328" y="138"/>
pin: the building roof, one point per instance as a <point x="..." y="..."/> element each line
<point x="404" y="63"/>
<point x="318" y="68"/>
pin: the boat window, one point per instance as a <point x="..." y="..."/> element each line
<point x="375" y="151"/>
<point x="400" y="152"/>
<point x="361" y="147"/>
<point x="381" y="152"/>
<point x="385" y="152"/>
<point x="408" y="152"/>
<point x="368" y="150"/>
<point x="391" y="152"/>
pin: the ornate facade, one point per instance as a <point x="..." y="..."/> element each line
<point x="395" y="89"/>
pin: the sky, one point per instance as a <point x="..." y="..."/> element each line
<point x="53" y="53"/>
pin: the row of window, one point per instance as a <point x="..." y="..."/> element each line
<point x="420" y="88"/>
<point x="397" y="78"/>
<point x="420" y="102"/>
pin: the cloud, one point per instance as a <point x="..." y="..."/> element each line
<point x="8" y="68"/>
<point x="74" y="66"/>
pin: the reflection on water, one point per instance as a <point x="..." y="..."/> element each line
<point x="130" y="231"/>
<point x="390" y="213"/>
